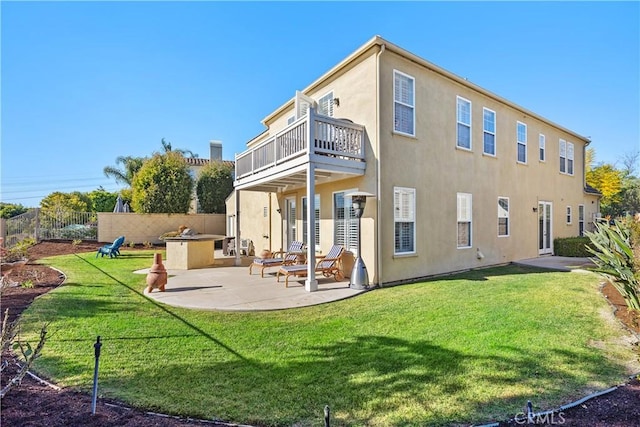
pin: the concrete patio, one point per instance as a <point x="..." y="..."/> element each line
<point x="229" y="288"/>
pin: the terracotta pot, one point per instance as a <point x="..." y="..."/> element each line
<point x="157" y="277"/>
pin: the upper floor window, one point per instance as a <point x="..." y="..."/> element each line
<point x="542" y="142"/>
<point x="521" y="131"/>
<point x="489" y="124"/>
<point x="403" y="103"/>
<point x="325" y="105"/>
<point x="404" y="207"/>
<point x="570" y="158"/>
<point x="464" y="220"/>
<point x="566" y="157"/>
<point x="291" y="120"/>
<point x="464" y="123"/>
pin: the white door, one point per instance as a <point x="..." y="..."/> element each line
<point x="545" y="229"/>
<point x="290" y="221"/>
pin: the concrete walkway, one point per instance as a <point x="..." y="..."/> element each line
<point x="230" y="288"/>
<point x="559" y="263"/>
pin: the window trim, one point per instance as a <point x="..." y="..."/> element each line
<point x="563" y="159"/>
<point x="469" y="197"/>
<point x="508" y="217"/>
<point x="412" y="105"/>
<point x="485" y="131"/>
<point x="412" y="219"/>
<point x="542" y="148"/>
<point x="469" y="125"/>
<point x="570" y="158"/>
<point x="523" y="143"/>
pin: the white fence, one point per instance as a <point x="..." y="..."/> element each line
<point x="105" y="226"/>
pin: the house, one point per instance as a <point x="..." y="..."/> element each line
<point x="196" y="165"/>
<point x="462" y="177"/>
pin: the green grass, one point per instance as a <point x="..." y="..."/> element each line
<point x="469" y="348"/>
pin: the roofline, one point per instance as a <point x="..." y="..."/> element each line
<point x="379" y="41"/>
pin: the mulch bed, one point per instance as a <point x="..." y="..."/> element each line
<point x="36" y="404"/>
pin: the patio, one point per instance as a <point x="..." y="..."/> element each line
<point x="230" y="288"/>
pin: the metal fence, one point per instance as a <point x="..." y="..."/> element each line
<point x="61" y="226"/>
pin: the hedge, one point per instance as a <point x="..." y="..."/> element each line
<point x="572" y="246"/>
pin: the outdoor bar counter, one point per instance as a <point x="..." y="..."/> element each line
<point x="188" y="252"/>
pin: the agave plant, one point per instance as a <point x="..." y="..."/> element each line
<point x="614" y="257"/>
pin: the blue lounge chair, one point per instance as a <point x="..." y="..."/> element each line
<point x="113" y="250"/>
<point x="285" y="258"/>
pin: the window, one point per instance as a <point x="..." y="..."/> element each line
<point x="464" y="220"/>
<point x="403" y="103"/>
<point x="291" y="120"/>
<point x="563" y="156"/>
<point x="290" y="212"/>
<point x="464" y="123"/>
<point x="404" y="207"/>
<point x="325" y="105"/>
<point x="570" y="158"/>
<point x="317" y="220"/>
<point x="503" y="216"/>
<point x="568" y="214"/>
<point x="265" y="212"/>
<point x="542" y="142"/>
<point x="489" y="124"/>
<point x="521" y="130"/>
<point x="345" y="223"/>
<point x="580" y="220"/>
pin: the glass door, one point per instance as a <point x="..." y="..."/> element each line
<point x="545" y="229"/>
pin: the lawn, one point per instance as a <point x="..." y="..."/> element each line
<point x="469" y="348"/>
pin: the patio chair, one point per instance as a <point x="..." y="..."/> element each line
<point x="278" y="258"/>
<point x="113" y="250"/>
<point x="329" y="265"/>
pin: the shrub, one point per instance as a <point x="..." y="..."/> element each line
<point x="615" y="259"/>
<point x="572" y="246"/>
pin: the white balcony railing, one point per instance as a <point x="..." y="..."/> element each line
<point x="337" y="138"/>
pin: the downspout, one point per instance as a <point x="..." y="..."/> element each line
<point x="378" y="183"/>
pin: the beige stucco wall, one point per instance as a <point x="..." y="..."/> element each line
<point x="431" y="163"/>
<point x="140" y="228"/>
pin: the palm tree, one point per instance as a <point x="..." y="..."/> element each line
<point x="166" y="146"/>
<point x="131" y="165"/>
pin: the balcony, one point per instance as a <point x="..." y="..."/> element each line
<point x="336" y="152"/>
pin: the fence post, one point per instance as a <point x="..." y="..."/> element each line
<point x="96" y="347"/>
<point x="3" y="231"/>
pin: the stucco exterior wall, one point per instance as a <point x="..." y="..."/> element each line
<point x="140" y="228"/>
<point x="431" y="163"/>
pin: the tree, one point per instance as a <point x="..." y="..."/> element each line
<point x="162" y="185"/>
<point x="130" y="165"/>
<point x="9" y="210"/>
<point x="103" y="200"/>
<point x="166" y="146"/>
<point x="214" y="186"/>
<point x="60" y="203"/>
<point x="608" y="181"/>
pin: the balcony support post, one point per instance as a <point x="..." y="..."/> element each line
<point x="311" y="284"/>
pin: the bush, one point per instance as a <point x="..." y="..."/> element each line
<point x="572" y="246"/>
<point x="615" y="259"/>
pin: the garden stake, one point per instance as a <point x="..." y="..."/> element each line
<point x="529" y="411"/>
<point x="327" y="412"/>
<point x="96" y="347"/>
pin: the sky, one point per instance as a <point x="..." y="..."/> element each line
<point x="83" y="83"/>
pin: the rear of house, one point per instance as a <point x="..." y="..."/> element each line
<point x="462" y="177"/>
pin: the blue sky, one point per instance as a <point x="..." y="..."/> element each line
<point x="86" y="82"/>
